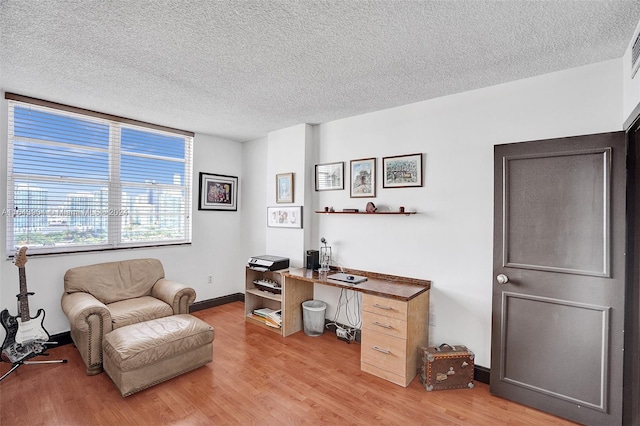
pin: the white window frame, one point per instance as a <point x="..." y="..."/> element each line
<point x="113" y="183"/>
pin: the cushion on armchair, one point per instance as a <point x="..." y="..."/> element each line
<point x="114" y="281"/>
<point x="139" y="309"/>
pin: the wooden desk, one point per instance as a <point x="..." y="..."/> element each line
<point x="395" y="313"/>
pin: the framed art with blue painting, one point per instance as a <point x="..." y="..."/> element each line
<point x="363" y="178"/>
<point x="284" y="188"/>
<point x="218" y="192"/>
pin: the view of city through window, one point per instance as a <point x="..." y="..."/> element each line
<point x="80" y="183"/>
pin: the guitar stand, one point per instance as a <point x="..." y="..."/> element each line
<point x="36" y="343"/>
<point x="24" y="362"/>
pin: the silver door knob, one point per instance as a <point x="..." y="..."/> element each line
<point x="502" y="279"/>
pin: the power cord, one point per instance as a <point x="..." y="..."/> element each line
<point x="347" y="333"/>
<point x="352" y="315"/>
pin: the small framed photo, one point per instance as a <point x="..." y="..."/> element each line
<point x="363" y="178"/>
<point x="330" y="176"/>
<point x="284" y="217"/>
<point x="402" y="171"/>
<point x="284" y="188"/>
<point x="218" y="192"/>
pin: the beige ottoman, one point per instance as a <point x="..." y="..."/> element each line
<point x="141" y="355"/>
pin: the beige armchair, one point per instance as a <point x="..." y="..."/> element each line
<point x="103" y="297"/>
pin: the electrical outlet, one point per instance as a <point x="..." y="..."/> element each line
<point x="210" y="279"/>
<point x="341" y="333"/>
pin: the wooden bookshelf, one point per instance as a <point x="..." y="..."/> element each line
<point x="256" y="299"/>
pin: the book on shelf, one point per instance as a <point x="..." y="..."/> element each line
<point x="270" y="317"/>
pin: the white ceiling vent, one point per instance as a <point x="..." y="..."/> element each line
<point x="635" y="56"/>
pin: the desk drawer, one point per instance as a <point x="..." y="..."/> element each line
<point x="384" y="351"/>
<point x="385" y="325"/>
<point x="384" y="306"/>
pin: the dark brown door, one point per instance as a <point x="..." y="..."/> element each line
<point x="559" y="276"/>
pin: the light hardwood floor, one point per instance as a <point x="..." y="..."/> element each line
<point x="256" y="377"/>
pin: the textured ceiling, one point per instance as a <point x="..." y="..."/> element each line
<point x="242" y="68"/>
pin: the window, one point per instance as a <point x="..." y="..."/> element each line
<point x="80" y="181"/>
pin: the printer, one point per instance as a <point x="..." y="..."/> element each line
<point x="266" y="262"/>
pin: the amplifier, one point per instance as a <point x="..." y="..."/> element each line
<point x="313" y="259"/>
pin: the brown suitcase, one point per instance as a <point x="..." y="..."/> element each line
<point x="446" y="367"/>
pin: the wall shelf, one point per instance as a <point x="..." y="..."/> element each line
<point x="406" y="213"/>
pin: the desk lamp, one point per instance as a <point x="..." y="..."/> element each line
<point x="325" y="256"/>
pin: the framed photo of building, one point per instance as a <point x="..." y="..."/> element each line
<point x="402" y="171"/>
<point x="363" y="178"/>
<point x="284" y="217"/>
<point x="218" y="192"/>
<point x="284" y="188"/>
<point x="330" y="176"/>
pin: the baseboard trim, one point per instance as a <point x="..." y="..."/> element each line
<point x="212" y="303"/>
<point x="60" y="339"/>
<point x="481" y="374"/>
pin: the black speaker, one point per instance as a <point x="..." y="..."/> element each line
<point x="313" y="259"/>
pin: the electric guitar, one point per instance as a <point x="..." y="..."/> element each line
<point x="25" y="336"/>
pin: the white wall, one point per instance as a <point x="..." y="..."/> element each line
<point x="450" y="240"/>
<point x="217" y="248"/>
<point x="287" y="152"/>
<point x="253" y="197"/>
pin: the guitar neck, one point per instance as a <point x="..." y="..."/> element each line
<point x="24" y="298"/>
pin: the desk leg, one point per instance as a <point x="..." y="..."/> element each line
<point x="294" y="292"/>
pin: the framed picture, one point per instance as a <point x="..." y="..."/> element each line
<point x="284" y="217"/>
<point x="284" y="188"/>
<point x="402" y="171"/>
<point x="330" y="176"/>
<point x="363" y="178"/>
<point x="218" y="192"/>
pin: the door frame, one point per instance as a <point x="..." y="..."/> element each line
<point x="631" y="382"/>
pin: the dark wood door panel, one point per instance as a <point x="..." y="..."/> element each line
<point x="580" y="359"/>
<point x="559" y="251"/>
<point x="538" y="218"/>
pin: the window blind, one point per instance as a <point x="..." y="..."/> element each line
<point x="79" y="182"/>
